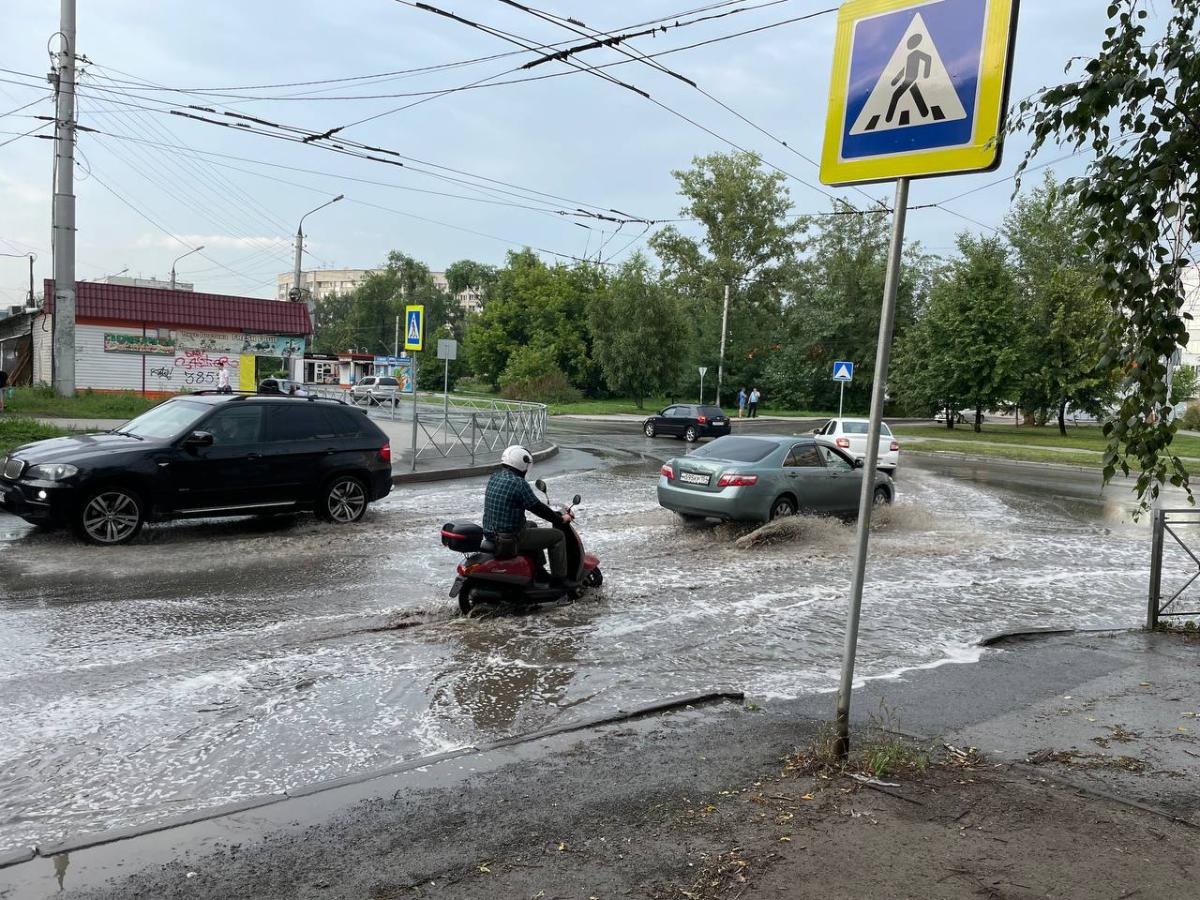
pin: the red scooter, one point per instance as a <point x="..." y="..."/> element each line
<point x="490" y="575"/>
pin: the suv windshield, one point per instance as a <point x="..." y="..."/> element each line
<point x="171" y="418"/>
<point x="738" y="449"/>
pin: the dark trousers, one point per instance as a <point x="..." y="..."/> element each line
<point x="549" y="539"/>
<point x="753" y="410"/>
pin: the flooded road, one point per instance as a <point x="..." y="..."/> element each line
<point x="215" y="661"/>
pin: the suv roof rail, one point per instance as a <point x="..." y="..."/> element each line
<point x="244" y="395"/>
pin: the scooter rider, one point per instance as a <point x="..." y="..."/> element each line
<point x="505" y="502"/>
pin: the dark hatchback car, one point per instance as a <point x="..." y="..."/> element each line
<point x="202" y="455"/>
<point x="688" y="422"/>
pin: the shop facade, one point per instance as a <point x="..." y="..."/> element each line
<point x="158" y="342"/>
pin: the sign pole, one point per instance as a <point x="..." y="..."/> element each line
<point x="841" y="396"/>
<point x="446" y="393"/>
<point x="413" y="357"/>
<point x="866" y="498"/>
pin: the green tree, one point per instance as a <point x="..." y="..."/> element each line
<point x="749" y="242"/>
<point x="1063" y="313"/>
<point x="1184" y="384"/>
<point x="1135" y="107"/>
<point x="333" y="330"/>
<point x="836" y="294"/>
<point x="965" y="347"/>
<point x="639" y="332"/>
<point x="541" y="306"/>
<point x="469" y="275"/>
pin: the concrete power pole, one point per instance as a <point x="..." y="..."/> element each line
<point x="721" y="359"/>
<point x="64" y="206"/>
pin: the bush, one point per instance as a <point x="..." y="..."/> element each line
<point x="551" y="387"/>
<point x="471" y="385"/>
<point x="1191" y="418"/>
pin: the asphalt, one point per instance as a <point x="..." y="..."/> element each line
<point x="1113" y="715"/>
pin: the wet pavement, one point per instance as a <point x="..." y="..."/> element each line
<point x="218" y="660"/>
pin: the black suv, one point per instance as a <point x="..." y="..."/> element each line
<point x="203" y="454"/>
<point x="688" y="421"/>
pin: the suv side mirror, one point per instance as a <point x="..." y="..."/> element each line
<point x="540" y="485"/>
<point x="575" y="500"/>
<point x="858" y="463"/>
<point x="198" y="439"/>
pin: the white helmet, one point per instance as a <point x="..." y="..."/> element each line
<point x="517" y="457"/>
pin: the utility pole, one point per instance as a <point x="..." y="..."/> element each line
<point x="721" y="360"/>
<point x="297" y="292"/>
<point x="63" y="232"/>
<point x="396" y="340"/>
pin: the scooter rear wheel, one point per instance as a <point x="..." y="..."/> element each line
<point x="466" y="602"/>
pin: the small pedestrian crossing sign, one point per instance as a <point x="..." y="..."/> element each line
<point x="414" y="328"/>
<point x="843" y="371"/>
<point x="919" y="88"/>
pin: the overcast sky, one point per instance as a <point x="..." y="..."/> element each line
<point x="152" y="184"/>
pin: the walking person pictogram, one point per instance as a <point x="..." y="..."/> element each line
<point x="913" y="87"/>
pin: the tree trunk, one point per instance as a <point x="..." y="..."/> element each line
<point x="950" y="414"/>
<point x="1062" y="418"/>
<point x="1029" y="418"/>
<point x="638" y="401"/>
<point x="978" y="419"/>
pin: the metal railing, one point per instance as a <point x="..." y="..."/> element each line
<point x="1165" y="522"/>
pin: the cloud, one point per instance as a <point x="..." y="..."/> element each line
<point x="214" y="241"/>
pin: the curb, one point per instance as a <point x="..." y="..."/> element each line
<point x="19" y="855"/>
<point x="1000" y="460"/>
<point x="464" y="471"/>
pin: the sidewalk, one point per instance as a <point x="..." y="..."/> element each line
<point x="1084" y="786"/>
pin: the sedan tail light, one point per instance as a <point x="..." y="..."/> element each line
<point x="701" y="420"/>
<point x="844" y="443"/>
<point x="668" y="471"/>
<point x="733" y="479"/>
<point x="895" y="446"/>
<point x="385" y="452"/>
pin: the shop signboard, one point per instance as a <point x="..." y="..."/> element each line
<point x="136" y="343"/>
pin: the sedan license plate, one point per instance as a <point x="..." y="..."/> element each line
<point x="694" y="478"/>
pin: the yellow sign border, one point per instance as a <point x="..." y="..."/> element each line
<point x="981" y="155"/>
<point x="419" y="345"/>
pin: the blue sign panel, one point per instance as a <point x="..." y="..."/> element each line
<point x="843" y="370"/>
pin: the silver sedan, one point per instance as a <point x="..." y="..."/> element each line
<point x="763" y="477"/>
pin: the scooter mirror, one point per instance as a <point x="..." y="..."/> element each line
<point x="540" y="485"/>
<point x="575" y="500"/>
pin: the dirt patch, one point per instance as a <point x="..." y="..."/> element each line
<point x="1078" y="759"/>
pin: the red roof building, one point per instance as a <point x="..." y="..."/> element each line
<point x="158" y="341"/>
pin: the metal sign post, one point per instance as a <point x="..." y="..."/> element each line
<point x="918" y="89"/>
<point x="843" y="372"/>
<point x="414" y="343"/>
<point x="447" y="350"/>
<point x="703" y="369"/>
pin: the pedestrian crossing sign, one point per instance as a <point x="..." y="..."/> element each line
<point x="919" y="88"/>
<point x="843" y="370"/>
<point x="414" y="328"/>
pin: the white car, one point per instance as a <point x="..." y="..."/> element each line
<point x="376" y="390"/>
<point x="851" y="436"/>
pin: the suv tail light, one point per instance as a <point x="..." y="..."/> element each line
<point x="668" y="471"/>
<point x="385" y="452"/>
<point x="733" y="479"/>
<point x="701" y="420"/>
<point x="895" y="446"/>
<point x="844" y="443"/>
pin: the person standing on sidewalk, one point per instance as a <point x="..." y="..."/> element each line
<point x="223" y="379"/>
<point x="755" y="396"/>
<point x="741" y="400"/>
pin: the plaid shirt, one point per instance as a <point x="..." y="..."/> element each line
<point x="507" y="497"/>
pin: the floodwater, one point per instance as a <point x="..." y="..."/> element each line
<point x="219" y="660"/>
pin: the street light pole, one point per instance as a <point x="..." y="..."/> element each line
<point x="298" y="292"/>
<point x="189" y="253"/>
<point x="721" y="360"/>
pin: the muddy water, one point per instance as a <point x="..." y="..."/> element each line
<point x="218" y="660"/>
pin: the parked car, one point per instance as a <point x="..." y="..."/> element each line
<point x="851" y="436"/>
<point x="761" y="478"/>
<point x="282" y="386"/>
<point x="690" y="422"/>
<point x="376" y="390"/>
<point x="958" y="417"/>
<point x="202" y="455"/>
